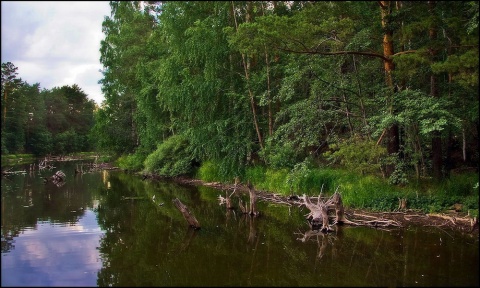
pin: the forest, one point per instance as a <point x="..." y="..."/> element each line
<point x="42" y="121"/>
<point x="384" y="88"/>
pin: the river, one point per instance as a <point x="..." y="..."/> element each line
<point x="111" y="228"/>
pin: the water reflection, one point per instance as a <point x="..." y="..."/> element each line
<point x="55" y="254"/>
<point x="49" y="232"/>
<point x="113" y="229"/>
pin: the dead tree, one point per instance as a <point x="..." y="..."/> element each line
<point x="192" y="221"/>
<point x="227" y="200"/>
<point x="253" y="200"/>
<point x="318" y="216"/>
<point x="337" y="203"/>
<point x="402" y="204"/>
<point x="58" y="178"/>
<point x="242" y="206"/>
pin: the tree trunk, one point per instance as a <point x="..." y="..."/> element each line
<point x="253" y="200"/>
<point x="242" y="206"/>
<point x="247" y="67"/>
<point x="437" y="162"/>
<point x="192" y="221"/>
<point x="393" y="145"/>
<point x="5" y="108"/>
<point x="318" y="216"/>
<point x="339" y="210"/>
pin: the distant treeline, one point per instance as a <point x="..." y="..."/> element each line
<point x="41" y="122"/>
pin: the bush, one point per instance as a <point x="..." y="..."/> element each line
<point x="358" y="154"/>
<point x="132" y="162"/>
<point x="209" y="171"/>
<point x="256" y="174"/>
<point x="171" y="158"/>
<point x="279" y="156"/>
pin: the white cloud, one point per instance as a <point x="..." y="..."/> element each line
<point x="55" y="43"/>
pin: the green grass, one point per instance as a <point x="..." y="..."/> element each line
<point x="12" y="159"/>
<point x="210" y="172"/>
<point x="362" y="191"/>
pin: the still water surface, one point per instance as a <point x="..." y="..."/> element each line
<point x="106" y="228"/>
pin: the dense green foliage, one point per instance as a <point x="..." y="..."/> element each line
<point x="171" y="158"/>
<point x="56" y="121"/>
<point x="280" y="83"/>
<point x="276" y="92"/>
<point x="279" y="93"/>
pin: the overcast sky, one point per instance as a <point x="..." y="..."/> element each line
<point x="55" y="43"/>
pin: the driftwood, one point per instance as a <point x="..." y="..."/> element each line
<point x="324" y="212"/>
<point x="192" y="221"/>
<point x="94" y="167"/>
<point x="58" y="178"/>
<point x="472" y="221"/>
<point x="250" y="208"/>
<point x="402" y="204"/>
<point x="45" y="165"/>
<point x="8" y="172"/>
<point x="318" y="218"/>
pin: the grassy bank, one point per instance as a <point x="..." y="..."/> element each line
<point x="15" y="159"/>
<point x="359" y="191"/>
<point x="18" y="159"/>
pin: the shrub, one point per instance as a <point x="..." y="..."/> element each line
<point x="279" y="156"/>
<point x="256" y="174"/>
<point x="171" y="158"/>
<point x="358" y="154"/>
<point x="132" y="162"/>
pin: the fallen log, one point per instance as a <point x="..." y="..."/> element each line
<point x="453" y="219"/>
<point x="192" y="221"/>
<point x="13" y="172"/>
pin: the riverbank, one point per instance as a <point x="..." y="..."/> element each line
<point x="448" y="220"/>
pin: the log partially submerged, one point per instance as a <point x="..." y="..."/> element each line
<point x="192" y="221"/>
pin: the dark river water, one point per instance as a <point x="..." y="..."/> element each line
<point x="109" y="228"/>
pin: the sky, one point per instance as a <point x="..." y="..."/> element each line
<point x="55" y="43"/>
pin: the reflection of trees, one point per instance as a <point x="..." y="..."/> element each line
<point x="8" y="235"/>
<point x="26" y="200"/>
<point x="150" y="245"/>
